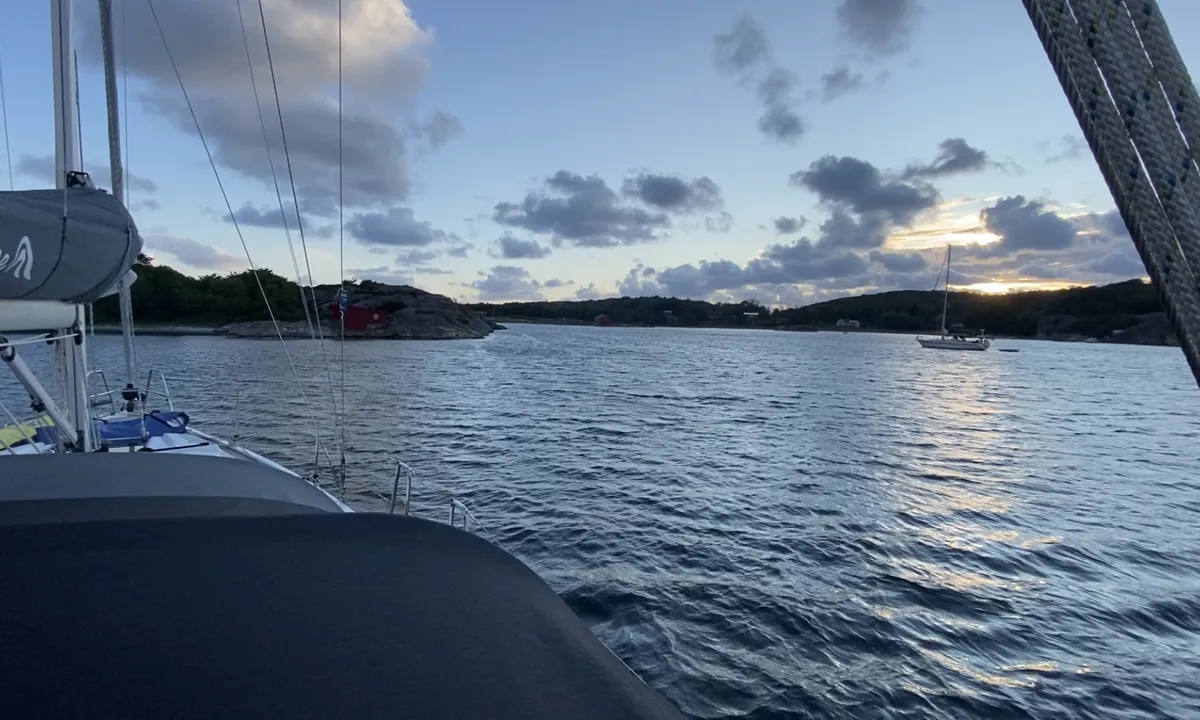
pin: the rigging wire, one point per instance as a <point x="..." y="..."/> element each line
<point x="299" y="220"/>
<point x="4" y="117"/>
<point x="287" y="232"/>
<point x="229" y="206"/>
<point x="278" y="196"/>
<point x="341" y="256"/>
<point x="78" y="111"/>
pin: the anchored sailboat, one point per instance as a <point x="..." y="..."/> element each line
<point x="948" y="340"/>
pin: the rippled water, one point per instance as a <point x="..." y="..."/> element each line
<point x="792" y="524"/>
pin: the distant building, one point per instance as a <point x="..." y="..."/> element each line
<point x="844" y="323"/>
<point x="360" y="318"/>
<point x="602" y="320"/>
<point x="749" y="314"/>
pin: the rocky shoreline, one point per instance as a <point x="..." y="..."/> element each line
<point x="404" y="312"/>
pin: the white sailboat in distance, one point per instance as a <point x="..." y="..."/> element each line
<point x="948" y="341"/>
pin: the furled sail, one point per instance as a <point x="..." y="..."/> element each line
<point x="41" y="258"/>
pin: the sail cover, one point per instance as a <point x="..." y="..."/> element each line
<point x="41" y="259"/>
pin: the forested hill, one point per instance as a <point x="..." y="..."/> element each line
<point x="1086" y="311"/>
<point x="164" y="295"/>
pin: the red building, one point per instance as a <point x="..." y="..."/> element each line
<point x="360" y="318"/>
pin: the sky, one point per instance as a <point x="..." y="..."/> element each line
<point x="521" y="150"/>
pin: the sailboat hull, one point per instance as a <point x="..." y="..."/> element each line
<point x="954" y="344"/>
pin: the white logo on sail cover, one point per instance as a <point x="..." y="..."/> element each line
<point x="20" y="262"/>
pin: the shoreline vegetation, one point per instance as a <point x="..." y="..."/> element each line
<point x="167" y="302"/>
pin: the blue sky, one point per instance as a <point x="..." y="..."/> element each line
<point x="646" y="115"/>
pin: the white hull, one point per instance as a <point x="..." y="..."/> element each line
<point x="948" y="343"/>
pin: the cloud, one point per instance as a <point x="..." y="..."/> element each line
<point x="744" y="50"/>
<point x="779" y="121"/>
<point x="591" y="292"/>
<point x="1070" y="147"/>
<point x="859" y="186"/>
<point x="384" y="68"/>
<point x="556" y="283"/>
<point x="955" y="156"/>
<point x="382" y="274"/>
<point x="1024" y="225"/>
<point x="440" y="128"/>
<point x="789" y="225"/>
<point x="249" y="214"/>
<point x="507" y="282"/>
<point x="415" y="257"/>
<point x="839" y="82"/>
<point x="743" y="47"/>
<point x="512" y="248"/>
<point x="396" y="226"/>
<point x="879" y="27"/>
<point x="582" y="211"/>
<point x="673" y="194"/>
<point x="585" y="212"/>
<point x="899" y="262"/>
<point x="195" y="254"/>
<point x="1118" y="264"/>
<point x="41" y="167"/>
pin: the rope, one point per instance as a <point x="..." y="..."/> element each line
<point x="4" y="117"/>
<point x="1121" y="168"/>
<point x="299" y="219"/>
<point x="225" y="196"/>
<point x="274" y="177"/>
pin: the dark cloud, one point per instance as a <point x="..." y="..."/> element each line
<point x="415" y="257"/>
<point x="955" y="156"/>
<point x="1069" y="147"/>
<point x="382" y="76"/>
<point x="1118" y="264"/>
<point x="673" y="194"/>
<point x="144" y="205"/>
<point x="1024" y="225"/>
<point x="843" y="230"/>
<point x="507" y="282"/>
<point x="556" y="283"/>
<point x="859" y="186"/>
<point x="839" y="82"/>
<point x="779" y="121"/>
<point x="591" y="292"/>
<point x="722" y="222"/>
<point x="396" y="227"/>
<point x="899" y="262"/>
<point x="742" y="47"/>
<point x="744" y="50"/>
<point x="440" y="128"/>
<point x="789" y="225"/>
<point x="512" y="248"/>
<point x="582" y="211"/>
<point x="41" y="167"/>
<point x="880" y="27"/>
<point x="586" y="212"/>
<point x="1038" y="271"/>
<point x="249" y="214"/>
<point x="383" y="274"/>
<point x="193" y="253"/>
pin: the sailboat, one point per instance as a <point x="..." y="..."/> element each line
<point x="947" y="340"/>
<point x="157" y="570"/>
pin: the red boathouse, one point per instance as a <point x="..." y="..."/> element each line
<point x="360" y="318"/>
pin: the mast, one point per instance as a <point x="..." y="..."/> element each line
<point x="118" y="186"/>
<point x="70" y="353"/>
<point x="946" y="292"/>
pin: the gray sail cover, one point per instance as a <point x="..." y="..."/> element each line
<point x="41" y="259"/>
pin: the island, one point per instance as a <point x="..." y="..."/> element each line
<point x="167" y="302"/>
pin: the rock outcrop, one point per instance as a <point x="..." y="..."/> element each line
<point x="408" y="313"/>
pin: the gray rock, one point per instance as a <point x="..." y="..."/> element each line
<point x="411" y="314"/>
